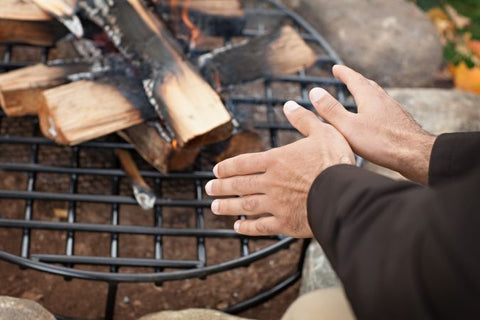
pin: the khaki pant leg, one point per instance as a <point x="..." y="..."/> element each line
<point x="324" y="304"/>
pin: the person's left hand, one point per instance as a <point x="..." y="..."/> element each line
<point x="277" y="182"/>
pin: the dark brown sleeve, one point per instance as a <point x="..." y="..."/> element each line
<point x="453" y="155"/>
<point x="402" y="251"/>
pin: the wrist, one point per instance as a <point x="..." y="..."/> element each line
<point x="415" y="159"/>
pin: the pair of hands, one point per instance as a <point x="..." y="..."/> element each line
<point x="271" y="187"/>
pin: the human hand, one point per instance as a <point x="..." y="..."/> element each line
<point x="382" y="131"/>
<point x="277" y="182"/>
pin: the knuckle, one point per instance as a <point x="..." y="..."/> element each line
<point x="249" y="204"/>
<point x="261" y="228"/>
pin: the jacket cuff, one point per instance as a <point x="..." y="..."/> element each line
<point x="453" y="155"/>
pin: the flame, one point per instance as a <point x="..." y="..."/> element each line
<point x="195" y="32"/>
<point x="175" y="144"/>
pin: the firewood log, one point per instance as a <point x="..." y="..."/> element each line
<point x="63" y="11"/>
<point x="84" y="110"/>
<point x="20" y="89"/>
<point x="157" y="151"/>
<point x="22" y="21"/>
<point x="22" y="10"/>
<point x="224" y="18"/>
<point x="189" y="105"/>
<point x="282" y="52"/>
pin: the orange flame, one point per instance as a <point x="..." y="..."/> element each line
<point x="195" y="32"/>
<point x="175" y="144"/>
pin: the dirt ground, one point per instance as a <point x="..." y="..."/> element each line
<point x="86" y="299"/>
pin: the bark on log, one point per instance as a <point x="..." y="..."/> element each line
<point x="157" y="151"/>
<point x="84" y="110"/>
<point x="190" y="106"/>
<point x="20" y="89"/>
<point x="283" y="52"/>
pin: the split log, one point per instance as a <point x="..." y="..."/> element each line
<point x="224" y="18"/>
<point x="22" y="10"/>
<point x="20" y="89"/>
<point x="157" y="151"/>
<point x="282" y="52"/>
<point x="190" y="106"/>
<point x="41" y="33"/>
<point x="24" y="22"/>
<point x="63" y="11"/>
<point x="85" y="110"/>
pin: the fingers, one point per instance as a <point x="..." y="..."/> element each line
<point x="301" y="119"/>
<point x="330" y="109"/>
<point x="356" y="83"/>
<point x="264" y="226"/>
<point x="248" y="205"/>
<point x="235" y="186"/>
<point x="244" y="164"/>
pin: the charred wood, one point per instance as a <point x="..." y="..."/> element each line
<point x="157" y="150"/>
<point x="282" y="52"/>
<point x="188" y="104"/>
<point x="224" y="18"/>
<point x="85" y="110"/>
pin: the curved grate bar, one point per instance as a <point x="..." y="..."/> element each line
<point x="68" y="263"/>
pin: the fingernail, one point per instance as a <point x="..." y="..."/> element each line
<point x="317" y="94"/>
<point x="208" y="187"/>
<point x="215" y="205"/>
<point x="291" y="106"/>
<point x="215" y="170"/>
<point x="236" y="226"/>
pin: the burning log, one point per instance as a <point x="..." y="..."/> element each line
<point x="157" y="151"/>
<point x="20" y="90"/>
<point x="282" y="52"/>
<point x="191" y="107"/>
<point x="25" y="22"/>
<point x="84" y="110"/>
<point x="224" y="18"/>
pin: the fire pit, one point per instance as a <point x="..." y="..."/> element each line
<point x="70" y="211"/>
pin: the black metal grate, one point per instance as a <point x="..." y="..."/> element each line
<point x="25" y="154"/>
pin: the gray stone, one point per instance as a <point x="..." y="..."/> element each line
<point x="191" y="314"/>
<point x="21" y="309"/>
<point x="392" y="42"/>
<point x="317" y="271"/>
<point x="437" y="111"/>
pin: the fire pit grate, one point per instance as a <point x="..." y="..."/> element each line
<point x="22" y="156"/>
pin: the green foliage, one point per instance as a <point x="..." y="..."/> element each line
<point x="428" y="4"/>
<point x="470" y="9"/>
<point x="453" y="56"/>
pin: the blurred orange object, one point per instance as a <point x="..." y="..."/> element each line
<point x="474" y="46"/>
<point x="467" y="79"/>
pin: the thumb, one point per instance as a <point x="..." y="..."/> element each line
<point x="302" y="119"/>
<point x="330" y="109"/>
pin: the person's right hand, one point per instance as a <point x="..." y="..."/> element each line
<point x="382" y="131"/>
